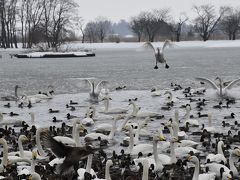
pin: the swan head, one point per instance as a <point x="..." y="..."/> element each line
<point x="192" y="159"/>
<point x="158" y="137"/>
<point x="3" y="141"/>
<point x="23" y="138"/>
<point x="175" y="140"/>
<point x="109" y="163"/>
<point x="235" y="152"/>
<point x="34" y="154"/>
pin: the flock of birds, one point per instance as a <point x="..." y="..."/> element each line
<point x="124" y="148"/>
<point x="116" y="143"/>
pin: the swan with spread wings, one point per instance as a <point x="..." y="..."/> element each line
<point x="159" y="52"/>
<point x="222" y="91"/>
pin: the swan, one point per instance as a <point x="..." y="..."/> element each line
<point x="88" y="169"/>
<point x="95" y="136"/>
<point x="159" y="52"/>
<point x="94" y="90"/>
<point x="10" y="120"/>
<point x="219" y="157"/>
<point x="96" y="116"/>
<point x="222" y="91"/>
<point x="6" y="160"/>
<point x="141" y="114"/>
<point x="109" y="163"/>
<point x="192" y="122"/>
<point x="234" y="153"/>
<point x="216" y="168"/>
<point x="113" y="110"/>
<point x="196" y="175"/>
<point x="155" y="92"/>
<point x="88" y="121"/>
<point x="210" y="128"/>
<point x="12" y="98"/>
<point x="171" y="99"/>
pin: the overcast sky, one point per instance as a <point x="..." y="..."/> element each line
<point x="116" y="10"/>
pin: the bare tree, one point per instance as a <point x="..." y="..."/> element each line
<point x="91" y="32"/>
<point x="137" y="27"/>
<point x="79" y="22"/>
<point x="207" y="20"/>
<point x="103" y="27"/>
<point x="177" y="27"/>
<point x="230" y="23"/>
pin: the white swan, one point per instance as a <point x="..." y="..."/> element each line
<point x="219" y="157"/>
<point x="94" y="90"/>
<point x="215" y="168"/>
<point x="107" y="110"/>
<point x="155" y="92"/>
<point x="9" y="120"/>
<point x="210" y="128"/>
<point x="192" y="122"/>
<point x="97" y="116"/>
<point x="109" y="163"/>
<point x="233" y="154"/>
<point x="141" y="114"/>
<point x="221" y="90"/>
<point x="159" y="52"/>
<point x="95" y="136"/>
<point x="196" y="175"/>
<point x="81" y="171"/>
<point x="9" y="159"/>
<point x="12" y="98"/>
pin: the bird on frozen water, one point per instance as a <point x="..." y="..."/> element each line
<point x="159" y="52"/>
<point x="72" y="155"/>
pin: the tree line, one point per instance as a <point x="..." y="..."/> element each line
<point x="53" y="22"/>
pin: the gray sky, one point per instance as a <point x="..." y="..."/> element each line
<point x="124" y="9"/>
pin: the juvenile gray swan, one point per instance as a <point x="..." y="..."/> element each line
<point x="159" y="52"/>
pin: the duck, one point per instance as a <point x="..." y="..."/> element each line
<point x="221" y="91"/>
<point x="8" y="105"/>
<point x="232" y="116"/>
<point x="159" y="52"/>
<point x="53" y="111"/>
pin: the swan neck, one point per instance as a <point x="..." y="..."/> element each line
<point x="209" y="121"/>
<point x="158" y="163"/>
<point x="106" y="104"/>
<point x="77" y="138"/>
<point x="176" y="116"/>
<point x="39" y="146"/>
<point x="145" y="171"/>
<point x="113" y="130"/>
<point x="5" y="153"/>
<point x="175" y="129"/>
<point x="74" y="128"/>
<point x="173" y="155"/>
<point x="232" y="166"/>
<point x="89" y="163"/>
<point x="135" y="110"/>
<point x="123" y="124"/>
<point x="20" y="146"/>
<point x="220" y="150"/>
<point x="33" y="166"/>
<point x="196" y="171"/>
<point x="16" y="92"/>
<point x="107" y="172"/>
<point x="131" y="142"/>
<point x="32" y="119"/>
<point x="1" y="117"/>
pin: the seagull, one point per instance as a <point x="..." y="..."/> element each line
<point x="159" y="52"/>
<point x="94" y="91"/>
<point x="221" y="90"/>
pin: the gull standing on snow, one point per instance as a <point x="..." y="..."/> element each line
<point x="159" y="52"/>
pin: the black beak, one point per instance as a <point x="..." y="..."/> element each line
<point x="156" y="67"/>
<point x="166" y="66"/>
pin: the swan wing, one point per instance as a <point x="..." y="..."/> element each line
<point x="231" y="84"/>
<point x="101" y="83"/>
<point x="148" y="45"/>
<point x="213" y="84"/>
<point x="90" y="83"/>
<point x="165" y="44"/>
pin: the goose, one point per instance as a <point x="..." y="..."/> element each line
<point x="112" y="110"/>
<point x="94" y="90"/>
<point x="72" y="155"/>
<point x="210" y="128"/>
<point x="12" y="98"/>
<point x="196" y="175"/>
<point x="219" y="157"/>
<point x="10" y="120"/>
<point x="159" y="52"/>
<point x="222" y="91"/>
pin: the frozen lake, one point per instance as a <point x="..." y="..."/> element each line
<point x="129" y="67"/>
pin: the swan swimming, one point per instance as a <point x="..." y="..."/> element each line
<point x="221" y="90"/>
<point x="159" y="52"/>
